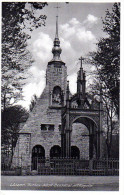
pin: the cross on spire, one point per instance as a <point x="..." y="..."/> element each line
<point x="81" y="59"/>
<point x="57" y="7"/>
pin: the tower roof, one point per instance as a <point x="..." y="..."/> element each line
<point x="56" y="47"/>
<point x="81" y="73"/>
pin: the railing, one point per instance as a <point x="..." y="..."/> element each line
<point x="6" y="168"/>
<point x="61" y="166"/>
<point x="65" y="166"/>
<point x="70" y="166"/>
<point x="106" y="167"/>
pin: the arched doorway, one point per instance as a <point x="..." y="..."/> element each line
<point x="85" y="135"/>
<point x="80" y="138"/>
<point x="38" y="155"/>
<point x="75" y="152"/>
<point x="55" y="152"/>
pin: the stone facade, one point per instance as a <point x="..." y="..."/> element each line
<point x="43" y="113"/>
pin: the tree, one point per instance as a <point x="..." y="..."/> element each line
<point x="12" y="118"/>
<point x="107" y="57"/>
<point x="107" y="63"/>
<point x="18" y="19"/>
<point x="109" y="119"/>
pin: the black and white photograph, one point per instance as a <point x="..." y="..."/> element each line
<point x="60" y="96"/>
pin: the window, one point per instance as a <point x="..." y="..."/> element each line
<point x="47" y="127"/>
<point x="51" y="128"/>
<point x="43" y="127"/>
<point x="60" y="127"/>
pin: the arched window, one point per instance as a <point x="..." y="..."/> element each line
<point x="55" y="151"/>
<point x="75" y="152"/>
<point x="57" y="96"/>
<point x="38" y="155"/>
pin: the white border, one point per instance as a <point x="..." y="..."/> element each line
<point x="121" y="189"/>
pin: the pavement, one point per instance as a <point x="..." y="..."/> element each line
<point x="60" y="183"/>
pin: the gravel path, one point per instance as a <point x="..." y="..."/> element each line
<point x="85" y="183"/>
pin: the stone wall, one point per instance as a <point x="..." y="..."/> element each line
<point x="22" y="154"/>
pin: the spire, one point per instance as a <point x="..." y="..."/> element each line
<point x="56" y="27"/>
<point x="57" y="7"/>
<point x="56" y="50"/>
<point x="56" y="45"/>
<point x="67" y="89"/>
<point x="81" y="81"/>
<point x="81" y="74"/>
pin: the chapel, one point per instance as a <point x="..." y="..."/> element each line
<point x="60" y="124"/>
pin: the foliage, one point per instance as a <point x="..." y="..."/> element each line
<point x="109" y="117"/>
<point x="107" y="63"/>
<point x="107" y="57"/>
<point x="11" y="119"/>
<point x="18" y="19"/>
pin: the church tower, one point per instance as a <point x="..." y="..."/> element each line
<point x="56" y="75"/>
<point x="41" y="135"/>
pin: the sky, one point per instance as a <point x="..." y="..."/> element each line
<point x="80" y="28"/>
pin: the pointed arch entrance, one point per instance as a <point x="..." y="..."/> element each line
<point x="38" y="154"/>
<point x="86" y="136"/>
<point x="88" y="118"/>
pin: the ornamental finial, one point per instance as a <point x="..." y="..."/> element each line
<point x="56" y="48"/>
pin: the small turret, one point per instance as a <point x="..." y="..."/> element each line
<point x="67" y="94"/>
<point x="81" y="84"/>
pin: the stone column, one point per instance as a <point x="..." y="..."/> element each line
<point x="68" y="143"/>
<point x="91" y="141"/>
<point x="63" y="144"/>
<point x="68" y="135"/>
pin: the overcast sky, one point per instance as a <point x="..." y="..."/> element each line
<point x="80" y="28"/>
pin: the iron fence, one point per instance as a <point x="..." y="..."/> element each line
<point x="70" y="166"/>
<point x="65" y="166"/>
<point x="7" y="169"/>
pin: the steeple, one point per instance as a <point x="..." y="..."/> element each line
<point x="56" y="50"/>
<point x="81" y="81"/>
<point x="56" y="45"/>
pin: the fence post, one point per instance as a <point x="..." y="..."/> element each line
<point x="90" y="166"/>
<point x="107" y="167"/>
<point x="21" y="165"/>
